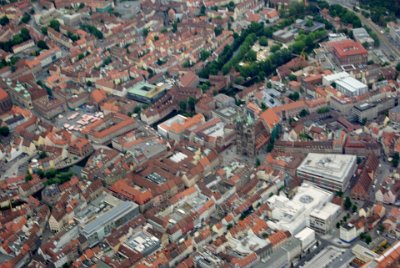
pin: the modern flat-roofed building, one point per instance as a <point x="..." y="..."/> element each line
<point x="350" y="86"/>
<point x="329" y="171"/>
<point x="345" y="83"/>
<point x="143" y="242"/>
<point x="322" y="220"/>
<point x="361" y="35"/>
<point x="329" y="79"/>
<point x="147" y="93"/>
<point x="95" y="230"/>
<point x="394" y="32"/>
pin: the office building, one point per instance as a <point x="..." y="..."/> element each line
<point x="322" y="220"/>
<point x="329" y="171"/>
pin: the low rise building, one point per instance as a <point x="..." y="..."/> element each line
<point x="361" y="35"/>
<point x="350" y="231"/>
<point x="5" y="102"/>
<point x="394" y="32"/>
<point x="49" y="107"/>
<point x="146" y="93"/>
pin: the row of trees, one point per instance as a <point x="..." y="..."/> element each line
<point x="53" y="176"/>
<point x="92" y="30"/>
<point x="382" y="11"/>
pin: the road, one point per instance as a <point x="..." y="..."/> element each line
<point x="385" y="44"/>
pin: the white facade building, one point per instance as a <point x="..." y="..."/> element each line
<point x="329" y="171"/>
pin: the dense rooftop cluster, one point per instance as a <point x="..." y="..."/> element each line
<point x="200" y="133"/>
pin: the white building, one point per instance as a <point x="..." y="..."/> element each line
<point x="307" y="238"/>
<point x="345" y="83"/>
<point x="329" y="79"/>
<point x="292" y="215"/>
<point x="350" y="86"/>
<point x="329" y="171"/>
<point x="322" y="220"/>
<point x="349" y="232"/>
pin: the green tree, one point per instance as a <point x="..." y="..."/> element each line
<point x="231" y="6"/>
<point x="42" y="155"/>
<point x="309" y="23"/>
<point x="337" y="225"/>
<point x="347" y="203"/>
<point x="263" y="106"/>
<point x="251" y="56"/>
<point x="398" y="67"/>
<point x="72" y="36"/>
<point x="25" y="18"/>
<point x="174" y="26"/>
<point x="202" y="10"/>
<point x="43" y="30"/>
<point x="145" y="32"/>
<point x="55" y="24"/>
<point x="368" y="239"/>
<point x="263" y="41"/>
<point x="4" y="21"/>
<point x="354" y="208"/>
<point x="204" y="54"/>
<point x="42" y="44"/>
<point x="292" y="77"/>
<point x="303" y="113"/>
<point x="4" y="131"/>
<point x="17" y="39"/>
<point x="182" y="106"/>
<point x="28" y="177"/>
<point x="192" y="103"/>
<point x="395" y="160"/>
<point x="218" y="30"/>
<point x="275" y="48"/>
<point x="295" y="96"/>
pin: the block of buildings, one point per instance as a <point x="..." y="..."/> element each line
<point x="184" y="211"/>
<point x="347" y="52"/>
<point x="112" y="125"/>
<point x="329" y="171"/>
<point x="102" y="215"/>
<point x="174" y="127"/>
<point x="293" y="214"/>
